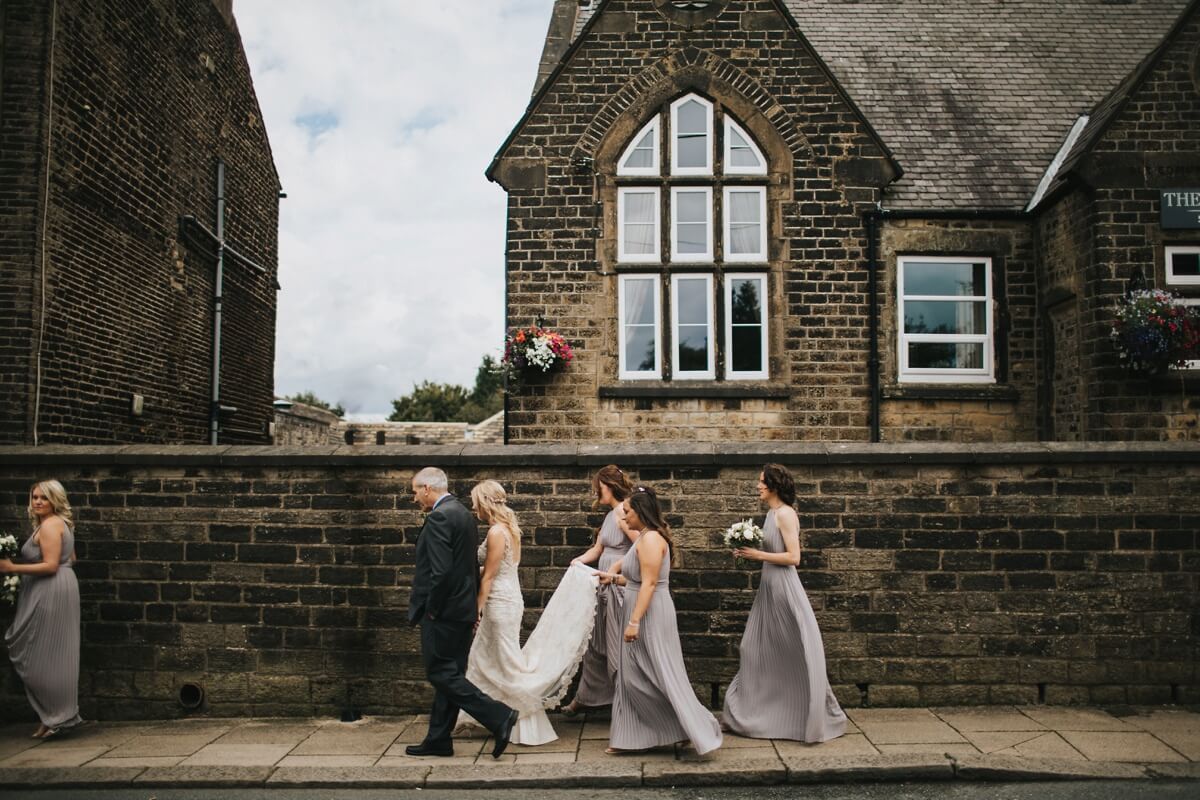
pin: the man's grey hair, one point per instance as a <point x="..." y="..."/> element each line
<point x="432" y="477"/>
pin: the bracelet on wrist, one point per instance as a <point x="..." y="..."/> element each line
<point x="633" y="624"/>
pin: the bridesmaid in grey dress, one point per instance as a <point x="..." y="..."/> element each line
<point x="654" y="704"/>
<point x="599" y="667"/>
<point x="781" y="690"/>
<point x="43" y="640"/>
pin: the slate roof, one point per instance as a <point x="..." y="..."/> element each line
<point x="975" y="97"/>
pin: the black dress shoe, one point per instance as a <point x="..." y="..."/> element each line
<point x="426" y="750"/>
<point x="504" y="733"/>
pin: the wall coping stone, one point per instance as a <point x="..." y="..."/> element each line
<point x="649" y="454"/>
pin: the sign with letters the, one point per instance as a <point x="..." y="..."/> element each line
<point x="1180" y="208"/>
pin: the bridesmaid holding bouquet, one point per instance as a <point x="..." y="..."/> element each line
<point x="781" y="690"/>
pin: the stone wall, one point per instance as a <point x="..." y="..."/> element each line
<point x="147" y="96"/>
<point x="370" y="434"/>
<point x="279" y="579"/>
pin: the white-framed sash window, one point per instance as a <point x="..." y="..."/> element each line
<point x="742" y="156"/>
<point x="691" y="223"/>
<point x="944" y="307"/>
<point x="638" y="216"/>
<point x="639" y="327"/>
<point x="1183" y="265"/>
<point x="692" y="333"/>
<point x="691" y="136"/>
<point x="641" y="157"/>
<point x="745" y="326"/>
<point x="745" y="223"/>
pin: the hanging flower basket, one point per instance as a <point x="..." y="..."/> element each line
<point x="534" y="351"/>
<point x="1154" y="331"/>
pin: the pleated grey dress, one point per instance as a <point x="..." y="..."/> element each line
<point x="599" y="667"/>
<point x="654" y="703"/>
<point x="781" y="690"/>
<point x="43" y="640"/>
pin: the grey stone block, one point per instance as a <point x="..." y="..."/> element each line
<point x="589" y="775"/>
<point x="59" y="778"/>
<point x="348" y="777"/>
<point x="854" y="769"/>
<point x="1019" y="768"/>
<point x="726" y="772"/>
<point x="204" y="777"/>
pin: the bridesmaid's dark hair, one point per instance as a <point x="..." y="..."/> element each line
<point x="644" y="501"/>
<point x="779" y="481"/>
<point x="615" y="479"/>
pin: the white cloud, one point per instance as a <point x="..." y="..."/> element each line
<point x="383" y="115"/>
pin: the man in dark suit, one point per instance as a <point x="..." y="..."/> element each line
<point x="443" y="603"/>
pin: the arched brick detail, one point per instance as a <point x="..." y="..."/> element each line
<point x="706" y="72"/>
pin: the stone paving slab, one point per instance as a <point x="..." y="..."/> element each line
<point x="1030" y="744"/>
<point x="1136" y="747"/>
<point x="237" y="755"/>
<point x="55" y="757"/>
<point x="142" y="762"/>
<point x="1001" y="718"/>
<point x="269" y="732"/>
<point x="201" y="777"/>
<point x="158" y="744"/>
<point x="852" y="744"/>
<point x="995" y="767"/>
<point x="346" y="777"/>
<point x="1076" y="719"/>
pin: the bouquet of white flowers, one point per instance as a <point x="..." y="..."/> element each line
<point x="11" y="585"/>
<point x="743" y="534"/>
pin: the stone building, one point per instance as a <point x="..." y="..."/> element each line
<point x="729" y="206"/>
<point x="114" y="117"/>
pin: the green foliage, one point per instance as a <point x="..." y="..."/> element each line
<point x="448" y="402"/>
<point x="311" y="399"/>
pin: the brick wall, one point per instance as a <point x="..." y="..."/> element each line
<point x="1152" y="144"/>
<point x="961" y="574"/>
<point x="147" y="97"/>
<point x="561" y="247"/>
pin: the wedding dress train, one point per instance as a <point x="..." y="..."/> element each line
<point x="537" y="676"/>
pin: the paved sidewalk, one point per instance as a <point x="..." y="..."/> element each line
<point x="992" y="743"/>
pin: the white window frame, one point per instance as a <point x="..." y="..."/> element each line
<point x="707" y="169"/>
<point x="745" y="375"/>
<point x="727" y="221"/>
<point x="1169" y="265"/>
<point x="656" y="166"/>
<point x="710" y="372"/>
<point x="986" y="374"/>
<point x="691" y="258"/>
<point x="728" y="156"/>
<point x="623" y="373"/>
<point x="639" y="258"/>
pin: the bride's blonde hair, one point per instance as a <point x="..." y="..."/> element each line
<point x="489" y="498"/>
<point x="56" y="496"/>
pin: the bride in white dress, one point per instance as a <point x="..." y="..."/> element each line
<point x="536" y="677"/>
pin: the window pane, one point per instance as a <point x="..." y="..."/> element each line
<point x="639" y="348"/>
<point x="642" y="156"/>
<point x="936" y="316"/>
<point x="640" y="207"/>
<point x="692" y="238"/>
<point x="746" y="348"/>
<point x="693" y="348"/>
<point x="1186" y="264"/>
<point x="956" y="280"/>
<point x="745" y="207"/>
<point x="936" y="355"/>
<point x="691" y="301"/>
<point x="691" y="206"/>
<point x="746" y="303"/>
<point x="740" y="152"/>
<point x="639" y="301"/>
<point x="691" y="134"/>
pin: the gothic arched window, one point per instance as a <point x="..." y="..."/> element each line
<point x="692" y="207"/>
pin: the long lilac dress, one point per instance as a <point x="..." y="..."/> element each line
<point x="654" y="703"/>
<point x="599" y="668"/>
<point x="43" y="640"/>
<point x="781" y="690"/>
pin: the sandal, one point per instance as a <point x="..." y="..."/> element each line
<point x="572" y="709"/>
<point x="40" y="732"/>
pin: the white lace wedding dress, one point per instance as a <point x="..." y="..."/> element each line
<point x="534" y="677"/>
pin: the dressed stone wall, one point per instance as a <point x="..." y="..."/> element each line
<point x="278" y="579"/>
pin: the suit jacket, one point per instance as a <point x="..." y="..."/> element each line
<point x="447" y="577"/>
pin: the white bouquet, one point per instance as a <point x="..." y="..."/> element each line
<point x="11" y="585"/>
<point x="743" y="534"/>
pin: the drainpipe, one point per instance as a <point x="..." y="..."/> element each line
<point x="214" y="412"/>
<point x="871" y="220"/>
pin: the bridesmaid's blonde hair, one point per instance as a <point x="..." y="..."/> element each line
<point x="56" y="495"/>
<point x="489" y="498"/>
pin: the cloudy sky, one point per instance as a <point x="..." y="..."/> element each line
<point x="383" y="116"/>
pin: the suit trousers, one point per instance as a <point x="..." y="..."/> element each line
<point x="444" y="649"/>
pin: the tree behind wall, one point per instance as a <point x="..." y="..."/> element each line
<point x="449" y="402"/>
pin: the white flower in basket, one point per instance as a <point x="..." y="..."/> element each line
<point x="743" y="534"/>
